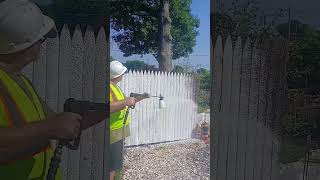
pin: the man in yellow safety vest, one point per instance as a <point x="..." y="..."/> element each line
<point x="119" y="103"/>
<point x="27" y="126"/>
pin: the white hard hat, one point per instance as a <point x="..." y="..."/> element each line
<point x="21" y="25"/>
<point x="116" y="69"/>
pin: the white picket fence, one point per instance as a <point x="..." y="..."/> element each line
<point x="149" y="123"/>
<point x="249" y="97"/>
<point x="75" y="66"/>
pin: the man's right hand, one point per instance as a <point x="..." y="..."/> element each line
<point x="130" y="101"/>
<point x="64" y="125"/>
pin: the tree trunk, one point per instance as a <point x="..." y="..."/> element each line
<point x="165" y="51"/>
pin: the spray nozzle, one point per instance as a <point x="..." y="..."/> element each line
<point x="161" y="102"/>
<point x="147" y="95"/>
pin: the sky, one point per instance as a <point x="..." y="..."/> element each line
<point x="201" y="52"/>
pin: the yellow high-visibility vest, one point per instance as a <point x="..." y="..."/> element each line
<point x="23" y="106"/>
<point x="117" y="118"/>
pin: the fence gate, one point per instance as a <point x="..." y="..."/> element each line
<point x="149" y="124"/>
<point x="249" y="97"/>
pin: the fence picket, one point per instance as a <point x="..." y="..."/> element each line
<point x="144" y="106"/>
<point x="225" y="109"/>
<point x="260" y="141"/>
<point x="75" y="89"/>
<point x="217" y="77"/>
<point x="244" y="111"/>
<point x="101" y="130"/>
<point x="88" y="83"/>
<point x="63" y="76"/>
<point x="52" y="70"/>
<point x="235" y="94"/>
<point x="267" y="146"/>
<point x="253" y="110"/>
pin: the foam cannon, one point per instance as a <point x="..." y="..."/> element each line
<point x="79" y="107"/>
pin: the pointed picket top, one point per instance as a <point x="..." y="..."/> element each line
<point x="227" y="74"/>
<point x="89" y="63"/>
<point x="65" y="32"/>
<point x="89" y="33"/>
<point x="171" y="74"/>
<point x="228" y="45"/>
<point x="237" y="58"/>
<point x="130" y="72"/>
<point x="102" y="33"/>
<point x="151" y="75"/>
<point x="180" y="75"/>
<point x="77" y="32"/>
<point x="218" y="51"/>
<point x="185" y="75"/>
<point x="218" y="41"/>
<point x="77" y="39"/>
<point x="101" y="43"/>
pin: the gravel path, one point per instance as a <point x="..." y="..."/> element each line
<point x="185" y="160"/>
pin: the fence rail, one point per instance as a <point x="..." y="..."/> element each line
<point x="149" y="123"/>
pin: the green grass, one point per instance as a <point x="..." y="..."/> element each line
<point x="119" y="175"/>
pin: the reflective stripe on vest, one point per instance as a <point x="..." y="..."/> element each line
<point x="29" y="109"/>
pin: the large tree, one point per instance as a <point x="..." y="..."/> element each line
<point x="142" y="27"/>
<point x="243" y="19"/>
<point x="304" y="63"/>
<point x="73" y="12"/>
